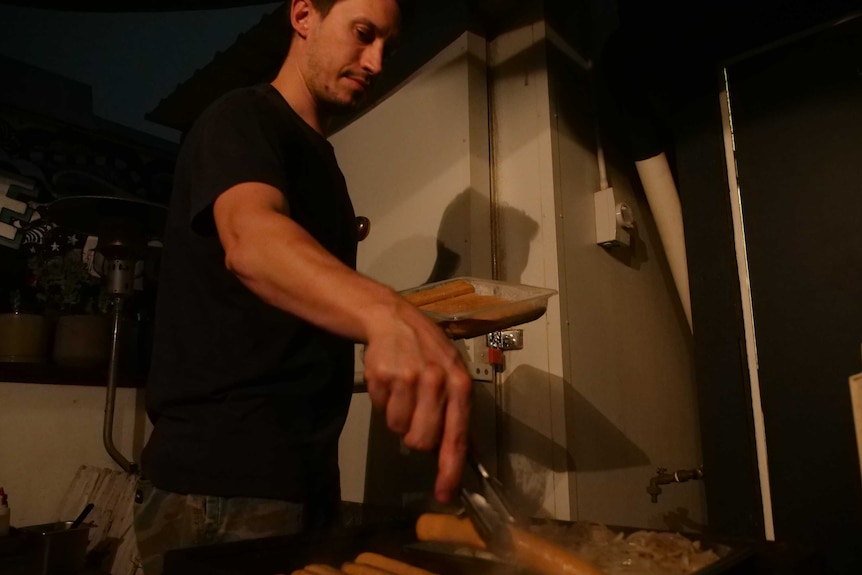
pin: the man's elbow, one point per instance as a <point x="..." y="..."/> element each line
<point x="246" y="263"/>
<point x="241" y="260"/>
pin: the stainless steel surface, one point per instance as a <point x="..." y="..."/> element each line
<point x="119" y="276"/>
<point x="507" y="339"/>
<point x="489" y="511"/>
<point x="396" y="540"/>
<point x="488" y="523"/>
<point x="492" y="488"/>
<point x="509" y="305"/>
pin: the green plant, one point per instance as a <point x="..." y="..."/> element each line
<point x="64" y="285"/>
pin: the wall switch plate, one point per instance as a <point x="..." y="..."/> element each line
<point x="613" y="220"/>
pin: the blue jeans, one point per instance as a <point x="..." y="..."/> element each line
<point x="164" y="521"/>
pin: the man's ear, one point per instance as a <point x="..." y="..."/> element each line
<point x="300" y="16"/>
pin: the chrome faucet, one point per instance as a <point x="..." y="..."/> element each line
<point x="662" y="477"/>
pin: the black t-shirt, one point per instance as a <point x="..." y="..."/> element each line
<point x="246" y="400"/>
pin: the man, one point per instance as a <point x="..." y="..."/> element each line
<point x="259" y="306"/>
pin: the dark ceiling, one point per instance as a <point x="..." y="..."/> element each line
<point x="133" y="5"/>
<point x="665" y="55"/>
<point x="680" y="44"/>
<point x="723" y="29"/>
<point x="674" y="44"/>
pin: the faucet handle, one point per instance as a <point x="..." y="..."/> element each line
<point x="661" y="471"/>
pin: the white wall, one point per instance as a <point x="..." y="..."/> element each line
<point x="603" y="392"/>
<point x="409" y="165"/>
<point x="534" y="439"/>
<point x="48" y="431"/>
<point x="631" y="393"/>
<point x="417" y="167"/>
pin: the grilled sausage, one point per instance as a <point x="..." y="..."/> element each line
<point x="389" y="564"/>
<point x="447" y="528"/>
<point x="542" y="556"/>
<point x="361" y="569"/>
<point x="533" y="552"/>
<point x="322" y="569"/>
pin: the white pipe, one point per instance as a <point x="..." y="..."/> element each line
<point x="664" y="203"/>
<point x="600" y="158"/>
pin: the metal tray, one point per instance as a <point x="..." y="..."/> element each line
<point x="523" y="304"/>
<point x="278" y="555"/>
<point x="734" y="558"/>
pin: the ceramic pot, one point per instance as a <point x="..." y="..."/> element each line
<point x="24" y="337"/>
<point x="82" y="341"/>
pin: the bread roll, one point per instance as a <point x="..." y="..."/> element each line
<point x="463" y="304"/>
<point x="440" y="292"/>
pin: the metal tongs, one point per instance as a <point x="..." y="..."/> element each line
<point x="490" y="512"/>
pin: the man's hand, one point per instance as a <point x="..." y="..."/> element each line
<point x="416" y="377"/>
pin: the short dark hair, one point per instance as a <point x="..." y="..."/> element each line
<point x="324" y="6"/>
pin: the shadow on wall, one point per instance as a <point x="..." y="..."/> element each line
<point x="680" y="521"/>
<point x="454" y="240"/>
<point x="412" y="485"/>
<point x="597" y="445"/>
<point x="453" y="235"/>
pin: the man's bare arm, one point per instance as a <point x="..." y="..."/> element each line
<point x="413" y="372"/>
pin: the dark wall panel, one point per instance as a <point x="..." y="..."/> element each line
<point x="797" y="114"/>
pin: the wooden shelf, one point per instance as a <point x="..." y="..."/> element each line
<point x="53" y="374"/>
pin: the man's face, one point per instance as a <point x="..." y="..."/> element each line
<point x="345" y="49"/>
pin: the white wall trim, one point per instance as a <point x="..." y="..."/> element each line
<point x="747" y="311"/>
<point x="524" y="181"/>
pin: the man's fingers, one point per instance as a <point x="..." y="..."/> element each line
<point x="378" y="393"/>
<point x="401" y="405"/>
<point x="419" y="379"/>
<point x="427" y="423"/>
<point x="453" y="447"/>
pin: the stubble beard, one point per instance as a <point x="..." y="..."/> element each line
<point x="325" y="95"/>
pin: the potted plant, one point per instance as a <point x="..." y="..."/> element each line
<point x="75" y="298"/>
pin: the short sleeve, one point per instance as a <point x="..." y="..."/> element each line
<point x="239" y="139"/>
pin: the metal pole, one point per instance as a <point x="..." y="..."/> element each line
<point x="107" y="431"/>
